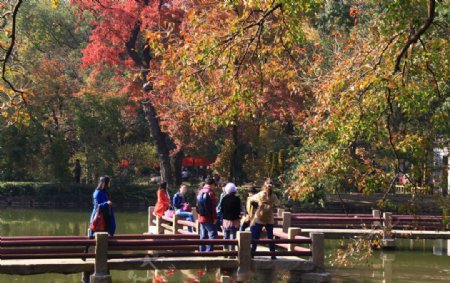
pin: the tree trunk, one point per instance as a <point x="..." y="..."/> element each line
<point x="234" y="157"/>
<point x="162" y="141"/>
<point x="176" y="163"/>
<point x="159" y="139"/>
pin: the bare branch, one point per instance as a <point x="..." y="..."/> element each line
<point x="11" y="47"/>
<point x="415" y="37"/>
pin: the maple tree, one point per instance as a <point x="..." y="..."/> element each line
<point x="118" y="42"/>
<point x="240" y="65"/>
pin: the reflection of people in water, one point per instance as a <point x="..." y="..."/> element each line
<point x="186" y="276"/>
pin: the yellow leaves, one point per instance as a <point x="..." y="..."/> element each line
<point x="152" y="36"/>
<point x="54" y="4"/>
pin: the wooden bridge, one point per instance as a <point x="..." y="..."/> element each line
<point x="35" y="255"/>
<point x="172" y="248"/>
<point x="299" y="239"/>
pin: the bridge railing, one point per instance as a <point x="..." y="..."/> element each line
<point x="152" y="247"/>
<point x="419" y="222"/>
<point x="376" y="220"/>
<point x="174" y="225"/>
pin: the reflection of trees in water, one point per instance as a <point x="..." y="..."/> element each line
<point x="47" y="222"/>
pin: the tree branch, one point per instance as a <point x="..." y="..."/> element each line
<point x="11" y="47"/>
<point x="131" y="45"/>
<point x="415" y="37"/>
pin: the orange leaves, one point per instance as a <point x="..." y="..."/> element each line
<point x="152" y="36"/>
<point x="354" y="13"/>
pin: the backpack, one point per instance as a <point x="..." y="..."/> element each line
<point x="204" y="204"/>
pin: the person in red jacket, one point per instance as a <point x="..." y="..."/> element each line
<point x="206" y="206"/>
<point x="163" y="202"/>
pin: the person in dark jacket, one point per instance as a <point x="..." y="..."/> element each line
<point x="231" y="210"/>
<point x="208" y="228"/>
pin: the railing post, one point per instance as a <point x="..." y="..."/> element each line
<point x="151" y="209"/>
<point x="197" y="226"/>
<point x="175" y="224"/>
<point x="387" y="242"/>
<point x="225" y="279"/>
<point x="318" y="249"/>
<point x="292" y="232"/>
<point x="244" y="255"/>
<point x="286" y="221"/>
<point x="280" y="212"/>
<point x="159" y="228"/>
<point x="101" y="273"/>
<point x="376" y="214"/>
<point x="194" y="213"/>
<point x="387" y="220"/>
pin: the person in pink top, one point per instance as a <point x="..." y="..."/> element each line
<point x="206" y="208"/>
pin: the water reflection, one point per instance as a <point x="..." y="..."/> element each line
<point x="414" y="261"/>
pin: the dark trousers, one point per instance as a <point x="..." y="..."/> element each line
<point x="207" y="231"/>
<point x="256" y="234"/>
<point x="244" y="226"/>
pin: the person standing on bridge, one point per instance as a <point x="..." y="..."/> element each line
<point x="163" y="201"/>
<point x="206" y="208"/>
<point x="267" y="201"/>
<point x="230" y="207"/>
<point x="102" y="208"/>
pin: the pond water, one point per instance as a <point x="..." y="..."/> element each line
<point x="413" y="260"/>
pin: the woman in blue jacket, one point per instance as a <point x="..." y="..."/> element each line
<point x="102" y="201"/>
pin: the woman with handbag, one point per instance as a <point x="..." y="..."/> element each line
<point x="182" y="206"/>
<point x="102" y="216"/>
<point x="163" y="202"/>
<point x="267" y="201"/>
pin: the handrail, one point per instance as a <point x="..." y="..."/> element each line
<point x="184" y="242"/>
<point x="176" y="254"/>
<point x="282" y="241"/>
<point x="118" y="236"/>
<point x="282" y="253"/>
<point x="47" y="256"/>
<point x="40" y="250"/>
<point x="55" y="243"/>
<point x="187" y="223"/>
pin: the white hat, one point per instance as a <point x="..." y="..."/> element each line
<point x="230" y="188"/>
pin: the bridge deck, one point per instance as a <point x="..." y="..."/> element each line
<point x="67" y="266"/>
